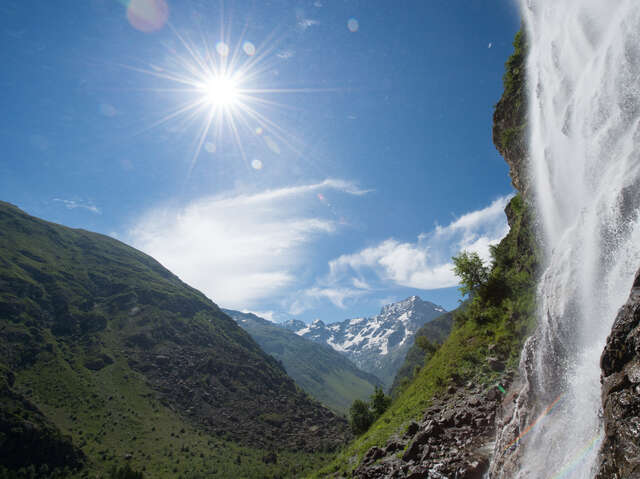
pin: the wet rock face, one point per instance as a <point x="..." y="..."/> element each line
<point x="620" y="363"/>
<point x="454" y="439"/>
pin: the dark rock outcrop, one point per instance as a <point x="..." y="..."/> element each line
<point x="454" y="439"/>
<point x="620" y="363"/>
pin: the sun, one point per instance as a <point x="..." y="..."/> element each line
<point x="221" y="91"/>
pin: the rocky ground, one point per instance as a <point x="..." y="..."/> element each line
<point x="211" y="393"/>
<point x="454" y="439"/>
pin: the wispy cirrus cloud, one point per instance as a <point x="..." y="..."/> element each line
<point x="73" y="204"/>
<point x="240" y="248"/>
<point x="305" y="23"/>
<point x="422" y="264"/>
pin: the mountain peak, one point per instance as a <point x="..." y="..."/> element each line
<point x="293" y="325"/>
<point x="378" y="344"/>
<point x="410" y="303"/>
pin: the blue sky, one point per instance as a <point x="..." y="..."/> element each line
<point x="361" y="159"/>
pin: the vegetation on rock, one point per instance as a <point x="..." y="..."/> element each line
<point x="509" y="118"/>
<point x="435" y="333"/>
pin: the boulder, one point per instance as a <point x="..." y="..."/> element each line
<point x="373" y="455"/>
<point x="413" y="452"/>
<point x="412" y="429"/>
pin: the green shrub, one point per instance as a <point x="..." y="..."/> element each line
<point x="125" y="472"/>
<point x="360" y="417"/>
<point x="380" y="402"/>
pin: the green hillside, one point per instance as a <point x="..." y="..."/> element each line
<point x="435" y="331"/>
<point x="107" y="358"/>
<point x="322" y="372"/>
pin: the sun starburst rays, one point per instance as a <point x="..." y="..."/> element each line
<point x="221" y="92"/>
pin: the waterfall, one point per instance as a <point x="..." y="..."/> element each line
<point x="584" y="144"/>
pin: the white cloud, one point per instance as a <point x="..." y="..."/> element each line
<point x="285" y="54"/>
<point x="73" y="204"/>
<point x="336" y="295"/>
<point x="305" y="23"/>
<point x="308" y="298"/>
<point x="424" y="264"/>
<point x="239" y="248"/>
<point x="268" y="315"/>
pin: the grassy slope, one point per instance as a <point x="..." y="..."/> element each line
<point x="322" y="372"/>
<point x="436" y="331"/>
<point x="80" y="312"/>
<point x="113" y="413"/>
<point x="498" y="318"/>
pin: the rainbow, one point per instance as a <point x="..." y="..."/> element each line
<point x="579" y="456"/>
<point x="546" y="412"/>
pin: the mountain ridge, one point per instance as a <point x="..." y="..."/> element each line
<point x="378" y="344"/>
<point x="322" y="372"/>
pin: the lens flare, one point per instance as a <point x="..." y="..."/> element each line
<point x="256" y="164"/>
<point x="147" y="15"/>
<point x="249" y="48"/>
<point x="222" y="48"/>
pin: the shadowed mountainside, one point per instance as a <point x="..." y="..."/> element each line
<point x="322" y="372"/>
<point x="99" y="342"/>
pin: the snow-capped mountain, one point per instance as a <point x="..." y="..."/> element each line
<point x="376" y="345"/>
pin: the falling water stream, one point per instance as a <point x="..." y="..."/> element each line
<point x="584" y="126"/>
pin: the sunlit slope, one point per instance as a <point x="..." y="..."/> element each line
<point x="126" y="359"/>
<point x="494" y="324"/>
<point x="321" y="371"/>
<point x="435" y="331"/>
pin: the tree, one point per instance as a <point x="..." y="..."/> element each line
<point x="471" y="270"/>
<point x="380" y="402"/>
<point x="361" y="416"/>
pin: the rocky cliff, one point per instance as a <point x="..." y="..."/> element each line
<point x="509" y="118"/>
<point x="620" y="363"/>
